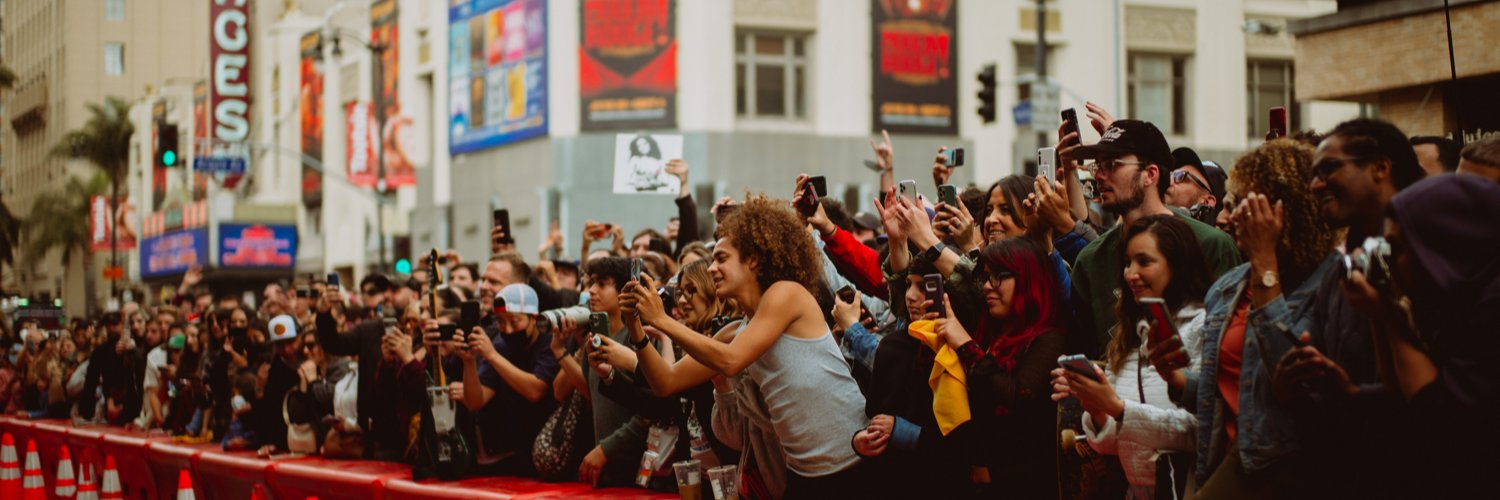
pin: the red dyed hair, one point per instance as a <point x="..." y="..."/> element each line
<point x="1035" y="306"/>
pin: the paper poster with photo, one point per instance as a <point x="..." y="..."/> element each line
<point x="641" y="163"/>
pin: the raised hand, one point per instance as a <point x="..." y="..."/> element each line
<point x="884" y="153"/>
<point x="941" y="171"/>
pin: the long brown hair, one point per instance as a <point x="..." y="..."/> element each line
<point x="1178" y="245"/>
<point x="696" y="272"/>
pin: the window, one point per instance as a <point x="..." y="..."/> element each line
<point x="770" y="75"/>
<point x="114" y="10"/>
<point x="114" y="59"/>
<point x="1157" y="92"/>
<point x="1270" y="85"/>
<point x="1026" y="66"/>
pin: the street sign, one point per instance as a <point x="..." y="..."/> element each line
<point x="114" y="273"/>
<point x="226" y="165"/>
<point x="1045" y="107"/>
<point x="1022" y="113"/>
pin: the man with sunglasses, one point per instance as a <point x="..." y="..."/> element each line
<point x="1196" y="185"/>
<point x="1130" y="163"/>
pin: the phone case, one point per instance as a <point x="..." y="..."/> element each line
<point x="932" y="286"/>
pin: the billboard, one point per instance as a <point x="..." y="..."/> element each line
<point x="104" y="219"/>
<point x="627" y="64"/>
<point x="395" y="135"/>
<point x="359" y="144"/>
<point x="257" y="246"/>
<point x="229" y="71"/>
<point x="915" y="61"/>
<point x="497" y="55"/>
<point x="310" y="106"/>
<point x="174" y="252"/>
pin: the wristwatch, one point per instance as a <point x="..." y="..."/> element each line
<point x="1269" y="279"/>
<point x="645" y="341"/>
<point x="932" y="253"/>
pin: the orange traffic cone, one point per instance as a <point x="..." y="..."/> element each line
<point x="65" y="487"/>
<point x="87" y="490"/>
<point x="185" y="486"/>
<point x="258" y="492"/>
<point x="109" y="488"/>
<point x="32" y="486"/>
<point x="10" y="468"/>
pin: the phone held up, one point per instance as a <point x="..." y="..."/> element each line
<point x="501" y="219"/>
<point x="907" y="189"/>
<point x="1046" y="163"/>
<point x="954" y="157"/>
<point x="1077" y="363"/>
<point x="598" y="328"/>
<point x="333" y="280"/>
<point x="1070" y="122"/>
<point x="636" y="267"/>
<point x="948" y="193"/>
<point x="1278" y="122"/>
<point x="1160" y="324"/>
<point x="932" y="287"/>
<point x="846" y="293"/>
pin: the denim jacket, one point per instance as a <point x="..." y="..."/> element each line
<point x="1267" y="432"/>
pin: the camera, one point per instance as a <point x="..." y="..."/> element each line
<point x="1373" y="259"/>
<point x="549" y="320"/>
<point x="668" y="296"/>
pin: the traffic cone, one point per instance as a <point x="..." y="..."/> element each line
<point x="87" y="490"/>
<point x="65" y="487"/>
<point x="109" y="488"/>
<point x="10" y="468"/>
<point x="185" y="486"/>
<point x="32" y="486"/>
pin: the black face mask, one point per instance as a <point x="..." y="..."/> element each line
<point x="516" y="339"/>
<point x="238" y="332"/>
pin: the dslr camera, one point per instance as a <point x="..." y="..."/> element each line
<point x="548" y="320"/>
<point x="1373" y="259"/>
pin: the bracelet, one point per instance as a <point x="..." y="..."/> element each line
<point x="637" y="346"/>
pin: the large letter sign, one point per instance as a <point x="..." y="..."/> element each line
<point x="230" y="55"/>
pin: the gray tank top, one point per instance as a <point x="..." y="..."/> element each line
<point x="815" y="405"/>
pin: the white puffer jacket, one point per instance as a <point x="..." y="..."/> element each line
<point x="1156" y="426"/>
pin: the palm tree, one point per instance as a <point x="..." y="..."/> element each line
<point x="10" y="226"/>
<point x="61" y="220"/>
<point x="104" y="141"/>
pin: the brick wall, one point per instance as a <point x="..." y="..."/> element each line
<point x="1360" y="62"/>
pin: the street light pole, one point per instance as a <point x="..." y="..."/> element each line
<point x="1041" y="70"/>
<point x="377" y="51"/>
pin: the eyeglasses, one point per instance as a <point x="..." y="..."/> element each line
<point x="1105" y="167"/>
<point x="1325" y="168"/>
<point x="1179" y="175"/>
<point x="999" y="277"/>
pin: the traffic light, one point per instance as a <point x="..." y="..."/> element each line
<point x="403" y="266"/>
<point x="167" y="154"/>
<point x="987" y="93"/>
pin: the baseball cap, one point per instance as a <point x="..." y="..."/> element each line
<point x="1216" y="178"/>
<point x="519" y="298"/>
<point x="1131" y="137"/>
<point x="283" y="327"/>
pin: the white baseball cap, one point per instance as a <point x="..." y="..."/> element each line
<point x="283" y="327"/>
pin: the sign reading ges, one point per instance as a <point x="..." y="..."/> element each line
<point x="229" y="55"/>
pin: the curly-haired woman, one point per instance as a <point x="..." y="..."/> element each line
<point x="783" y="344"/>
<point x="1253" y="313"/>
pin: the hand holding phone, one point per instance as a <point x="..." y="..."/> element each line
<point x="1046" y="163"/>
<point x="908" y="189"/>
<point x="948" y="193"/>
<point x="1160" y="322"/>
<point x="1278" y="122"/>
<point x="1078" y="364"/>
<point x="954" y="157"/>
<point x="932" y="287"/>
<point x="501" y="221"/>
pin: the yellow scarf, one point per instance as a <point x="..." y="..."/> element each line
<point x="949" y="383"/>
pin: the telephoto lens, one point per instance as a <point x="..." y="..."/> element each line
<point x="550" y="319"/>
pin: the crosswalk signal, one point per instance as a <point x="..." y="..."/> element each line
<point x="987" y="93"/>
<point x="167" y="154"/>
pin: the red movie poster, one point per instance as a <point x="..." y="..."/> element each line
<point x="627" y="64"/>
<point x="916" y="56"/>
<point x="394" y="136"/>
<point x="359" y="144"/>
<point x="310" y="103"/>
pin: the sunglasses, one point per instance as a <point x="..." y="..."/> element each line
<point x="1180" y="175"/>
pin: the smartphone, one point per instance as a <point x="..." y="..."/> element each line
<point x="333" y="280"/>
<point x="501" y="219"/>
<point x="1070" y="122"/>
<point x="807" y="204"/>
<point x="1046" y="163"/>
<point x="1278" y="121"/>
<point x="819" y="184"/>
<point x="908" y="190"/>
<point x="954" y="157"/>
<point x="598" y="327"/>
<point x="304" y="292"/>
<point x="948" y="193"/>
<point x="636" y="265"/>
<point x="468" y="316"/>
<point x="390" y="324"/>
<point x="1077" y="363"/>
<point x="932" y="286"/>
<point x="846" y="293"/>
<point x="1162" y="327"/>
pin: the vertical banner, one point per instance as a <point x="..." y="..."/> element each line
<point x="197" y="179"/>
<point x="916" y="54"/>
<point x="384" y="33"/>
<point x="102" y="221"/>
<point x="627" y="64"/>
<point x="229" y="72"/>
<point x="497" y="55"/>
<point x="310" y="104"/>
<point x="359" y="144"/>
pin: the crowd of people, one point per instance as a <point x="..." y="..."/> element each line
<point x="1307" y="322"/>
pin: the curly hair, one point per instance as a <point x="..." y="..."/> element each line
<point x="1281" y="169"/>
<point x="766" y="232"/>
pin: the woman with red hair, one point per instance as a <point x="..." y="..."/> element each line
<point x="1007" y="365"/>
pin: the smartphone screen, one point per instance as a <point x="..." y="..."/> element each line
<point x="501" y="219"/>
<point x="819" y="184"/>
<point x="468" y="317"/>
<point x="1278" y="121"/>
<point x="1046" y="163"/>
<point x="948" y="193"/>
<point x="908" y="190"/>
<point x="932" y="287"/>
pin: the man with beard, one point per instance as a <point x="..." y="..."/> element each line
<point x="507" y="380"/>
<point x="1131" y="162"/>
